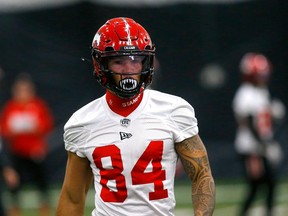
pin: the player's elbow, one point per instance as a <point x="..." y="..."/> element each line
<point x="72" y="197"/>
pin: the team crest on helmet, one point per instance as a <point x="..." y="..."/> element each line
<point x="97" y="38"/>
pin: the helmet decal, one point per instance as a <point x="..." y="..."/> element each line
<point x="127" y="26"/>
<point x="97" y="38"/>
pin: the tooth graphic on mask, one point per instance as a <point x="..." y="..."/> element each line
<point x="128" y="84"/>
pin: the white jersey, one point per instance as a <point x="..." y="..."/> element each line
<point x="252" y="101"/>
<point x="133" y="158"/>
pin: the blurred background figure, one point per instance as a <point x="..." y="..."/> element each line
<point x="255" y="113"/>
<point x="26" y="121"/>
<point x="8" y="175"/>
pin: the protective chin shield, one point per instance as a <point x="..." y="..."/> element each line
<point x="122" y="37"/>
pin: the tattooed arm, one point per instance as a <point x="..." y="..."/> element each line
<point x="195" y="161"/>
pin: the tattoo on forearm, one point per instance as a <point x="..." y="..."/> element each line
<point x="196" y="164"/>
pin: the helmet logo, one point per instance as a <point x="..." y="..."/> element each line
<point x="128" y="84"/>
<point x="97" y="39"/>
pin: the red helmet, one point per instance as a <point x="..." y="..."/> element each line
<point x="255" y="68"/>
<point x="122" y="37"/>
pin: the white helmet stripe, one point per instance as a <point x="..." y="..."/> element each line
<point x="127" y="29"/>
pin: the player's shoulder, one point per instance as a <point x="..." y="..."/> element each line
<point x="247" y="92"/>
<point x="86" y="112"/>
<point x="92" y="106"/>
<point x="8" y="104"/>
<point x="165" y="98"/>
<point x="160" y="93"/>
<point x="165" y="104"/>
<point x="247" y="88"/>
<point x="38" y="101"/>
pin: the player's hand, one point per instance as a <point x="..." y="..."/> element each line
<point x="11" y="177"/>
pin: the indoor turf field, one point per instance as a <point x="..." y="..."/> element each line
<point x="228" y="198"/>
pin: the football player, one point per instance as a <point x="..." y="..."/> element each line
<point x="128" y="141"/>
<point x="255" y="142"/>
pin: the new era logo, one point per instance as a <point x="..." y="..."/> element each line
<point x="125" y="135"/>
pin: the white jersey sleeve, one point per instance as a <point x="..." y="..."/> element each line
<point x="74" y="136"/>
<point x="184" y="120"/>
<point x="76" y="130"/>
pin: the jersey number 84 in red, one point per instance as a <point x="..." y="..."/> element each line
<point x="153" y="153"/>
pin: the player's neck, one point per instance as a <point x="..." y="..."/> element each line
<point x="122" y="106"/>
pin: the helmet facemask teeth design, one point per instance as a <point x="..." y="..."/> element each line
<point x="128" y="84"/>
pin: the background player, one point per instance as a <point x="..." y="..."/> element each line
<point x="255" y="142"/>
<point x="26" y="121"/>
